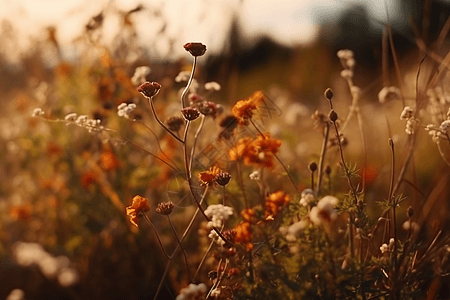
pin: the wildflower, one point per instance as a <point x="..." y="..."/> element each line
<point x="195" y="49"/>
<point x="208" y="177"/>
<point x="193" y="292"/>
<point x="139" y="205"/>
<point x="292" y="232"/>
<point x="212" y="86"/>
<point x="125" y="110"/>
<point x="324" y="211"/>
<point x="328" y="94"/>
<point x="71" y="117"/>
<point x="409" y="126"/>
<point x="388" y="93"/>
<point x="345" y="54"/>
<point x="312" y="166"/>
<point x="333" y="115"/>
<point x="347" y="74"/>
<point x="445" y="126"/>
<point x="307" y="197"/>
<point x="244" y="235"/>
<point x="140" y="74"/>
<point x="243" y="109"/>
<point x="37" y="112"/>
<point x="407" y="113"/>
<point x="413" y="226"/>
<point x="149" y="89"/>
<point x="223" y="178"/>
<point x="254" y="175"/>
<point x="218" y="213"/>
<point x="273" y="203"/>
<point x="190" y="113"/>
<point x="165" y="208"/>
<point x="384" y="248"/>
<point x="175" y="123"/>
<point x="350" y="63"/>
<point x="208" y="108"/>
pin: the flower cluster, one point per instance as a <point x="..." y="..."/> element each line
<point x="140" y="75"/>
<point x="84" y="121"/>
<point x="408" y="115"/>
<point x="193" y="292"/>
<point x="292" y="232"/>
<point x="388" y="93"/>
<point x="125" y="110"/>
<point x="37" y="112"/>
<point x="324" y="211"/>
<point x="218" y="214"/>
<point x="348" y="61"/>
<point x="274" y="202"/>
<point x="138" y="205"/>
<point x="243" y="109"/>
<point x="260" y="151"/>
<point x="307" y="197"/>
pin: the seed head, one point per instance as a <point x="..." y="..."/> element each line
<point x="410" y="212"/>
<point x="195" y="49"/>
<point x="223" y="178"/>
<point x="149" y="89"/>
<point x="190" y="113"/>
<point x="312" y="166"/>
<point x="175" y="123"/>
<point x="328" y="170"/>
<point x="329" y="93"/>
<point x="165" y="208"/>
<point x="333" y="116"/>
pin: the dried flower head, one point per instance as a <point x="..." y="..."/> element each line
<point x="149" y="89"/>
<point x="175" y="123"/>
<point x="209" y="177"/>
<point x="125" y="110"/>
<point x="208" y="108"/>
<point x="138" y="205"/>
<point x="195" y="49"/>
<point x="312" y="166"/>
<point x="165" y="208"/>
<point x="333" y="116"/>
<point x="190" y="113"/>
<point x="244" y="235"/>
<point x="223" y="178"/>
<point x="328" y="93"/>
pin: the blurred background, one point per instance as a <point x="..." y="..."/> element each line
<point x="63" y="191"/>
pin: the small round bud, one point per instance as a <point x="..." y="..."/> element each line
<point x="329" y="93"/>
<point x="149" y="89"/>
<point x="333" y="116"/>
<point x="212" y="275"/>
<point x="328" y="170"/>
<point x="312" y="166"/>
<point x="190" y="113"/>
<point x="195" y="49"/>
<point x="223" y="178"/>
<point x="165" y="208"/>
<point x="175" y="123"/>
<point x="410" y="212"/>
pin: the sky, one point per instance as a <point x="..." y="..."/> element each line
<point x="290" y="22"/>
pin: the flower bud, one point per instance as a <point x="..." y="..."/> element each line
<point x="329" y="93"/>
<point x="328" y="170"/>
<point x="190" y="113"/>
<point x="410" y="212"/>
<point x="149" y="89"/>
<point x="165" y="208"/>
<point x="333" y="116"/>
<point x="223" y="178"/>
<point x="312" y="166"/>
<point x="195" y="49"/>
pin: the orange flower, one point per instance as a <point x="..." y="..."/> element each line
<point x="259" y="151"/>
<point x="248" y="214"/>
<point x="208" y="177"/>
<point x="139" y="205"/>
<point x="243" y="109"/>
<point x="109" y="161"/>
<point x="273" y="203"/>
<point x="244" y="235"/>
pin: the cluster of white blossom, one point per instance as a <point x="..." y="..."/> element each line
<point x="385" y="248"/>
<point x="292" y="232"/>
<point x="408" y="115"/>
<point x="140" y="74"/>
<point x="254" y="175"/>
<point x="184" y="76"/>
<point x="212" y="86"/>
<point x="84" y="121"/>
<point x="307" y="197"/>
<point x="218" y="214"/>
<point x="193" y="292"/>
<point x="27" y="254"/>
<point x="324" y="211"/>
<point x="125" y="110"/>
<point x="348" y="61"/>
<point x="37" y="112"/>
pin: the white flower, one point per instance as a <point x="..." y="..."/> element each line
<point x="212" y="86"/>
<point x="407" y="113"/>
<point x="183" y="76"/>
<point x="350" y="63"/>
<point x="254" y="175"/>
<point x="292" y="232"/>
<point x="347" y="74"/>
<point x="324" y="211"/>
<point x="413" y="226"/>
<point x="192" y="292"/>
<point x="71" y="117"/>
<point x="125" y="110"/>
<point x="409" y="126"/>
<point x="218" y="213"/>
<point x="307" y="197"/>
<point x="445" y="126"/>
<point x="384" y="248"/>
<point x="140" y="75"/>
<point x="345" y="54"/>
<point x="388" y="93"/>
<point x="37" y="112"/>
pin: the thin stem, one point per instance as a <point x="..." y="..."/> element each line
<point x="322" y="157"/>
<point x="182" y="248"/>
<point x="241" y="183"/>
<point x="197" y="133"/>
<point x="157" y="235"/>
<point x="203" y="259"/>
<point x="150" y="100"/>
<point x="186" y="89"/>
<point x="276" y="156"/>
<point x="188" y="228"/>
